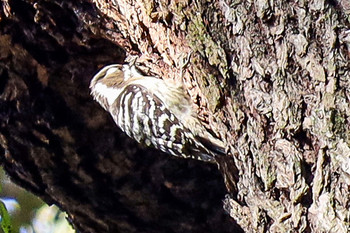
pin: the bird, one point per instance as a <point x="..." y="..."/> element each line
<point x="155" y="112"/>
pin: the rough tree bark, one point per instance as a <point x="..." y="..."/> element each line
<point x="271" y="78"/>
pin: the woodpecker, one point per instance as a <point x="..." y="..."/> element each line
<point x="154" y="112"/>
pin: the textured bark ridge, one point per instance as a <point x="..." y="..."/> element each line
<point x="270" y="78"/>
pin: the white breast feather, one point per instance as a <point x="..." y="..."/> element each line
<point x="109" y="93"/>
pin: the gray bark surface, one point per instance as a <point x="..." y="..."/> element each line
<point x="270" y="78"/>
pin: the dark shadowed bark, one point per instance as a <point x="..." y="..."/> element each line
<point x="270" y="78"/>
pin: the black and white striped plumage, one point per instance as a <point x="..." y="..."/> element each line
<point x="153" y="112"/>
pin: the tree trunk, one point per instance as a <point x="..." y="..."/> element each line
<point x="270" y="78"/>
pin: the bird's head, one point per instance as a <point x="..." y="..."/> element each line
<point x="106" y="84"/>
<point x="110" y="76"/>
